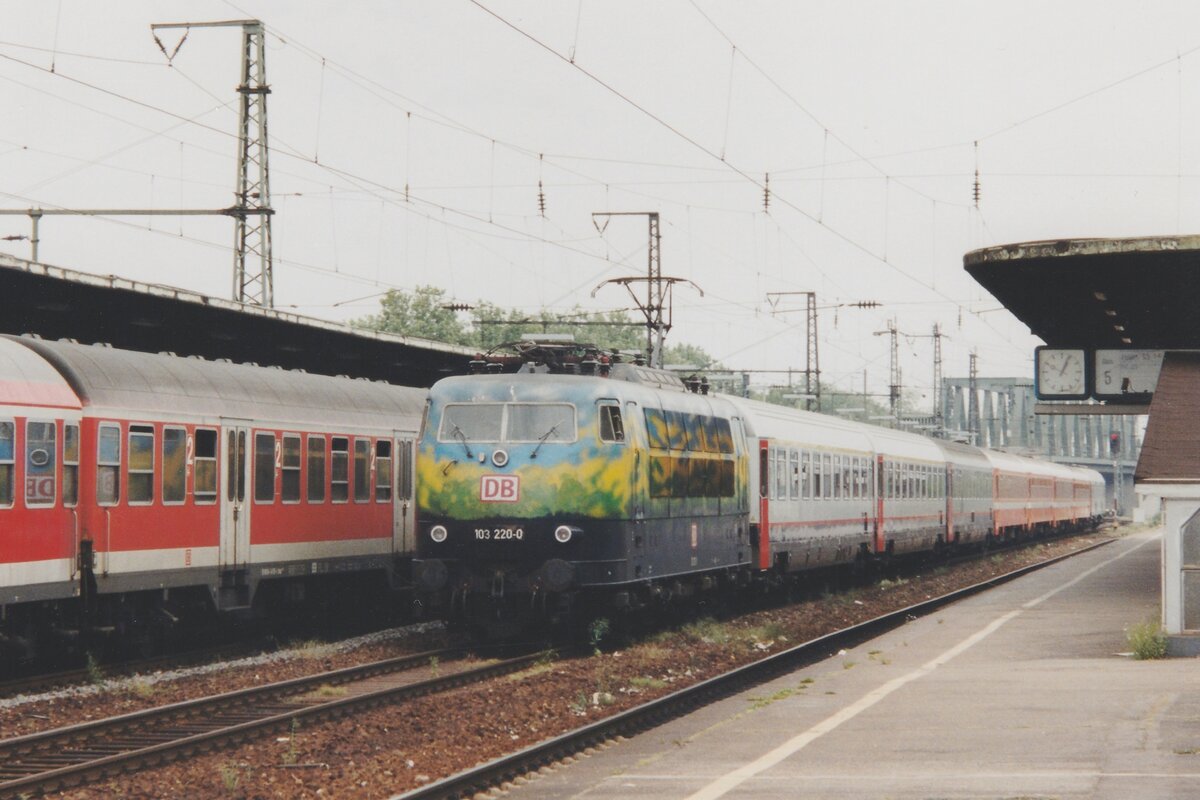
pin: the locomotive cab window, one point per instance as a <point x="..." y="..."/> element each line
<point x="174" y="469"/>
<point x="533" y="423"/>
<point x="612" y="429"/>
<point x="7" y="464"/>
<point x="40" y="449"/>
<point x="108" y="464"/>
<point x="541" y="422"/>
<point x="476" y="422"/>
<point x="204" y="489"/>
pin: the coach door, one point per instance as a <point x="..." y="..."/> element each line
<point x="235" y="507"/>
<point x="404" y="517"/>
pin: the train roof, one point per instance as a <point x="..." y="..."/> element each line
<point x="768" y="420"/>
<point x="1010" y="462"/>
<point x="108" y="379"/>
<point x="966" y="454"/>
<point x="27" y="380"/>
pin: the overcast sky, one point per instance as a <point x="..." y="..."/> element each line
<point x="865" y="116"/>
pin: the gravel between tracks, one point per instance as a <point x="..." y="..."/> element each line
<point x="107" y="697"/>
<point x="379" y="753"/>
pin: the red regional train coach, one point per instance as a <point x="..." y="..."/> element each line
<point x="144" y="484"/>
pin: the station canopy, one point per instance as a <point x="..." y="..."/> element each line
<point x="57" y="303"/>
<point x="1099" y="293"/>
<point x="1140" y="293"/>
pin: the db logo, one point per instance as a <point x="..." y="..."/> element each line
<point x="500" y="488"/>
<point x="39" y="489"/>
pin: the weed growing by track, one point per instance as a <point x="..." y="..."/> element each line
<point x="1147" y="640"/>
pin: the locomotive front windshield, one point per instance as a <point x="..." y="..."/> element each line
<point x="507" y="422"/>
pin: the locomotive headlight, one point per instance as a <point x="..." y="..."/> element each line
<point x="563" y="534"/>
<point x="438" y="533"/>
<point x="500" y="458"/>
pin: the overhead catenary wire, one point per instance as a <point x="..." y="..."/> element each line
<point x="441" y="217"/>
<point x="701" y="147"/>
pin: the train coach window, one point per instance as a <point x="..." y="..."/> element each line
<point x="660" y="473"/>
<point x="681" y="477"/>
<point x="362" y="470"/>
<point x="70" y="465"/>
<point x="725" y="479"/>
<point x="405" y="456"/>
<point x="724" y="435"/>
<point x="108" y="465"/>
<point x="204" y="488"/>
<point x="316" y="469"/>
<point x="339" y="470"/>
<point x="7" y="464"/>
<point x="264" y="468"/>
<point x="612" y="429"/>
<point x="174" y="459"/>
<point x="827" y="471"/>
<point x="794" y="474"/>
<point x="40" y="464"/>
<point x="289" y="482"/>
<point x="676" y="430"/>
<point x="141" y="464"/>
<point x="235" y="487"/>
<point x="696" y="438"/>
<point x="383" y="471"/>
<point x="656" y="429"/>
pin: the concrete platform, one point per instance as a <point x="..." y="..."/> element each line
<point x="1022" y="692"/>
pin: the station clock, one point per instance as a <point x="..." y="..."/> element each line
<point x="1061" y="373"/>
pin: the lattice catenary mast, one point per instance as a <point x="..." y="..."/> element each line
<point x="252" y="263"/>
<point x="252" y="208"/>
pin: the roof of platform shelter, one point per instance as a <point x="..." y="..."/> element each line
<point x="55" y="303"/>
<point x="1108" y="293"/>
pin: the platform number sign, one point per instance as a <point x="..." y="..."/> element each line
<point x="1122" y="374"/>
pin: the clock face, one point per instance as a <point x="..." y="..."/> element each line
<point x="1061" y="373"/>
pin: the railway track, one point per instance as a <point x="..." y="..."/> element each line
<point x="65" y="757"/>
<point x="28" y="684"/>
<point x="519" y="766"/>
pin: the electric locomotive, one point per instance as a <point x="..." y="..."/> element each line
<point x="549" y="486"/>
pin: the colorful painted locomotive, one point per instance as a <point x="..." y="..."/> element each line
<point x="575" y="479"/>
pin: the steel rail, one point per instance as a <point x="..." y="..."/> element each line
<point x="119" y="669"/>
<point x="73" y="755"/>
<point x="495" y="773"/>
